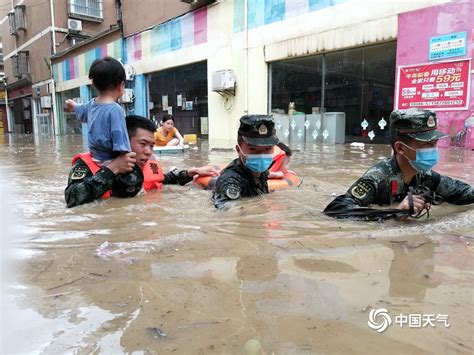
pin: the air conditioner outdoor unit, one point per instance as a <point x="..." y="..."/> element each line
<point x="45" y="101"/>
<point x="223" y="81"/>
<point x="127" y="96"/>
<point x="74" y="25"/>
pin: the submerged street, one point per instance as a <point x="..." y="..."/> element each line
<point x="167" y="272"/>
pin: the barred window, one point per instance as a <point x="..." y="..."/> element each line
<point x="12" y="23"/>
<point x="15" y="68"/>
<point x="23" y="65"/>
<point x="20" y="18"/>
<point x="89" y="9"/>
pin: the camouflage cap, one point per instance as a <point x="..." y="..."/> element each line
<point x="258" y="130"/>
<point x="415" y="123"/>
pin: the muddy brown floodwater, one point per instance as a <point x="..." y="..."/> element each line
<point x="165" y="272"/>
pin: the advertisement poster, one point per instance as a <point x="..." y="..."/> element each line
<point x="164" y="100"/>
<point x="179" y="100"/>
<point x="438" y="86"/>
<point x="189" y="105"/>
<point x="447" y="46"/>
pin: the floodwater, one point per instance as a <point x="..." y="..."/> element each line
<point x="165" y="272"/>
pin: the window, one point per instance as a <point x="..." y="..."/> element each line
<point x="12" y="23"/>
<point x="86" y="9"/>
<point x="15" y="68"/>
<point x="23" y="66"/>
<point x="20" y="18"/>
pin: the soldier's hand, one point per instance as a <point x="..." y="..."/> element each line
<point x="276" y="175"/>
<point x="418" y="204"/>
<point x="124" y="163"/>
<point x="208" y="170"/>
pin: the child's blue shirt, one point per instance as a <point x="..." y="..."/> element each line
<point x="107" y="130"/>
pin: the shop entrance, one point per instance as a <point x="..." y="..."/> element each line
<point x="22" y="115"/>
<point x="357" y="82"/>
<point x="181" y="92"/>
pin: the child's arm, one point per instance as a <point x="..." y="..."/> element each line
<point x="80" y="110"/>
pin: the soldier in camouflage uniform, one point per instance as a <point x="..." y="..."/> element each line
<point x="413" y="137"/>
<point x="123" y="177"/>
<point x="247" y="175"/>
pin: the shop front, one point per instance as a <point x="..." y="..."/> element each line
<point x="19" y="104"/>
<point x="182" y="92"/>
<point x="357" y="82"/>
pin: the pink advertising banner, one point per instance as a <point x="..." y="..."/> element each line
<point x="439" y="86"/>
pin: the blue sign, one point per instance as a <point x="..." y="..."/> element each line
<point x="447" y="46"/>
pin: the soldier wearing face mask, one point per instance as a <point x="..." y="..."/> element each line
<point x="414" y="137"/>
<point x="247" y="175"/>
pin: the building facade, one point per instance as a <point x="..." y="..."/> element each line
<point x="34" y="31"/>
<point x="326" y="69"/>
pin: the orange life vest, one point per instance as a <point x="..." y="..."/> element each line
<point x="278" y="160"/>
<point x="92" y="165"/>
<point x="152" y="175"/>
<point x="289" y="177"/>
<point x="152" y="172"/>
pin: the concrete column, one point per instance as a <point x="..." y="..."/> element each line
<point x="85" y="93"/>
<point x="141" y="97"/>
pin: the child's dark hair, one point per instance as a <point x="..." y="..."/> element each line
<point x="285" y="148"/>
<point x="106" y="73"/>
<point x="167" y="117"/>
<point x="134" y="122"/>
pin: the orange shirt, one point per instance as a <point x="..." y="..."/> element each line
<point x="162" y="138"/>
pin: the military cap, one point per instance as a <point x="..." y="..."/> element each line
<point x="258" y="130"/>
<point x="415" y="123"/>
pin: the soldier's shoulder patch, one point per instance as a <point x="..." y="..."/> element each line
<point x="232" y="192"/>
<point x="361" y="190"/>
<point x="79" y="173"/>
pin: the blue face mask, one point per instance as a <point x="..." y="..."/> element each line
<point x="257" y="163"/>
<point x="426" y="158"/>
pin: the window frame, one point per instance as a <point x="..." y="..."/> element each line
<point x="73" y="6"/>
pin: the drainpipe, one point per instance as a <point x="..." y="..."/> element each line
<point x="246" y="62"/>
<point x="55" y="123"/>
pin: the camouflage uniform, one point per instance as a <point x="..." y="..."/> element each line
<point x="237" y="180"/>
<point x="84" y="187"/>
<point x="383" y="183"/>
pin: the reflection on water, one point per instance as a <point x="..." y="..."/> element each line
<point x="271" y="272"/>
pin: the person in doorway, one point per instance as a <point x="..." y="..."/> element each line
<point x="88" y="181"/>
<point x="105" y="118"/>
<point x="167" y="134"/>
<point x="247" y="175"/>
<point x="401" y="178"/>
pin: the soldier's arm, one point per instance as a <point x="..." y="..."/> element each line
<point x="228" y="188"/>
<point x="361" y="194"/>
<point x="455" y="191"/>
<point x="84" y="187"/>
<point x="175" y="177"/>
